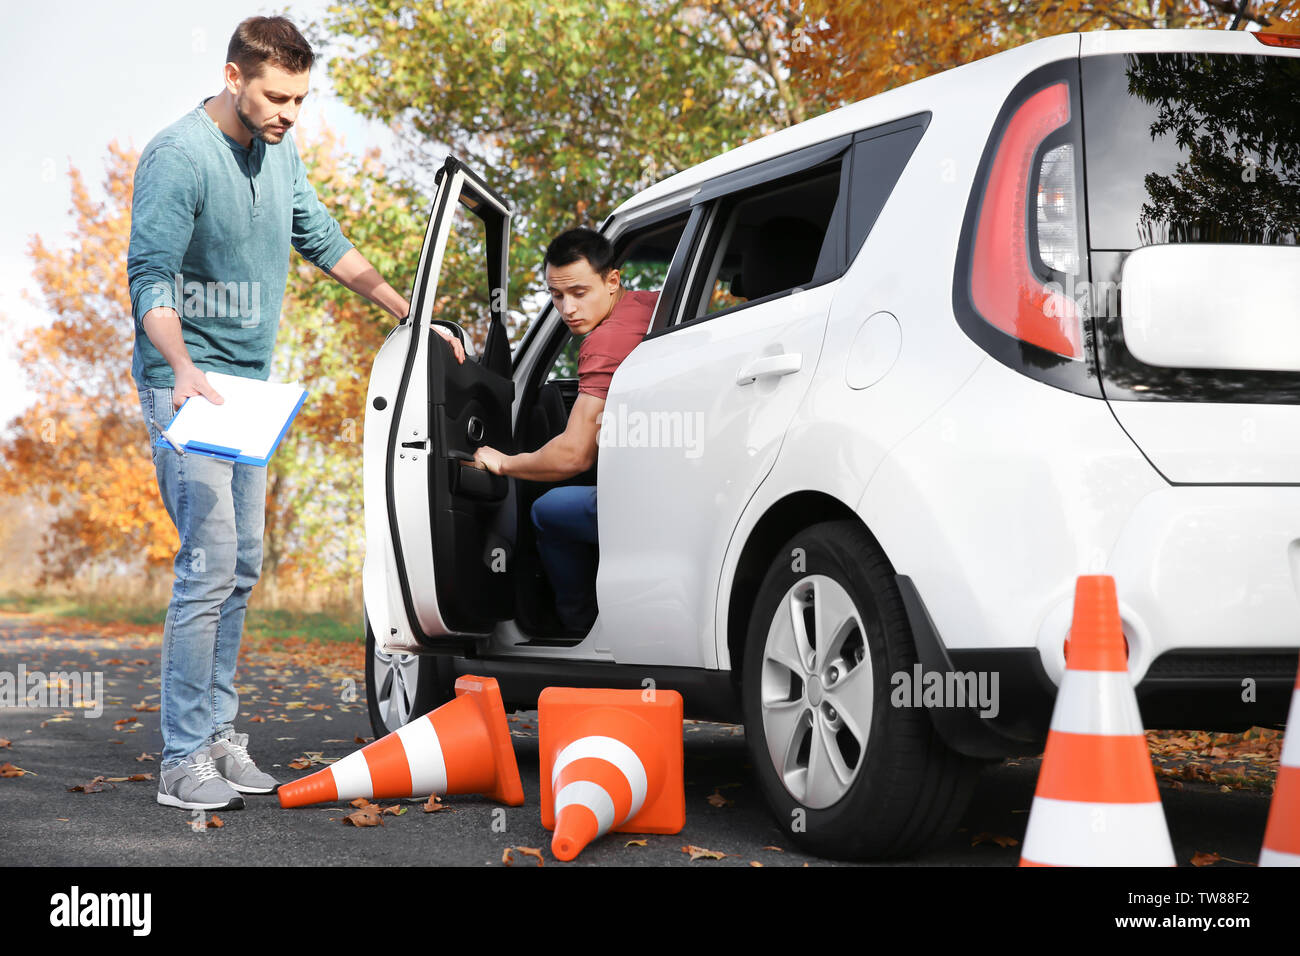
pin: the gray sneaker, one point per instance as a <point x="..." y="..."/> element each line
<point x="233" y="762"/>
<point x="197" y="785"/>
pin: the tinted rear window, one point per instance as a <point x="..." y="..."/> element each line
<point x="1192" y="147"/>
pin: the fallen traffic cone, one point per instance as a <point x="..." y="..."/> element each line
<point x="1282" y="837"/>
<point x="1096" y="803"/>
<point x="461" y="747"/>
<point x="611" y="760"/>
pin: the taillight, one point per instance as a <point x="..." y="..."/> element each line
<point x="1006" y="289"/>
<point x="1289" y="40"/>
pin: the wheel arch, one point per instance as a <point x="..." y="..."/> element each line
<point x="778" y="524"/>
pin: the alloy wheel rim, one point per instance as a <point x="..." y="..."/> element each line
<point x="395" y="683"/>
<point x="816" y="691"/>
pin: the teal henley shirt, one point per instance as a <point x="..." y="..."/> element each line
<point x="211" y="226"/>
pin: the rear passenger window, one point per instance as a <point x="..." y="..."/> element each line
<point x="771" y="239"/>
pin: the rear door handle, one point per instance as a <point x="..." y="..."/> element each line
<point x="770" y="366"/>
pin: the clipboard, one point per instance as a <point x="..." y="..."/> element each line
<point x="246" y="428"/>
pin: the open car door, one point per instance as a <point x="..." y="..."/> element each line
<point x="439" y="531"/>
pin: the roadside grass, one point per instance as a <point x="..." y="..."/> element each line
<point x="271" y="625"/>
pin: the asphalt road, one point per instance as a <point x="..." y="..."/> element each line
<point x="42" y="823"/>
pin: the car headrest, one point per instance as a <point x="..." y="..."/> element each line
<point x="782" y="255"/>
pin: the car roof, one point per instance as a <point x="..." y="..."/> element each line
<point x="920" y="95"/>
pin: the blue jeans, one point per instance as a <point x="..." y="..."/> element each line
<point x="565" y="519"/>
<point x="219" y="510"/>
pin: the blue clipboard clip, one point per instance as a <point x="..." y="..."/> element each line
<point x="216" y="451"/>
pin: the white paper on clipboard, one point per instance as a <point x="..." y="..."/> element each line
<point x="252" y="418"/>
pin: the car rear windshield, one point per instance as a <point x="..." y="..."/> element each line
<point x="1192" y="147"/>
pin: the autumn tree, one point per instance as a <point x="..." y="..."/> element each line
<point x="859" y="48"/>
<point x="81" y="449"/>
<point x="567" y="107"/>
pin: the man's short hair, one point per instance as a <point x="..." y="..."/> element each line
<point x="262" y="40"/>
<point x="581" y="243"/>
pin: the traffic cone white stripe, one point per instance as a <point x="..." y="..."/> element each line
<point x="424" y="754"/>
<point x="1069" y="833"/>
<point x="611" y="751"/>
<point x="592" y="796"/>
<point x="1291" y="739"/>
<point x="1101" y="703"/>
<point x="352" y="776"/>
<point x="1269" y="857"/>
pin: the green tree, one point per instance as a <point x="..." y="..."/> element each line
<point x="566" y="107"/>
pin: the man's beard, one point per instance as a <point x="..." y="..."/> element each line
<point x="260" y="132"/>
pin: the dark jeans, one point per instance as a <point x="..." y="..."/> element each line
<point x="565" y="519"/>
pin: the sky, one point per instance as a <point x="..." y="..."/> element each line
<point x="76" y="76"/>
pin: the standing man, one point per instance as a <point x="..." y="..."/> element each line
<point x="220" y="196"/>
<point x="589" y="295"/>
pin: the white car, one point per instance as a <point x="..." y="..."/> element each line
<point x="888" y="409"/>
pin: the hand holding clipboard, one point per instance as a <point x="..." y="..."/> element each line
<point x="246" y="426"/>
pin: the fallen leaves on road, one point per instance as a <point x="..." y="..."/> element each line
<point x="5" y="744"/>
<point x="145" y="756"/>
<point x="433" y="804"/>
<point x="1245" y="761"/>
<point x="718" y="800"/>
<point x="95" y="786"/>
<point x="9" y="770"/>
<point x="1003" y="841"/>
<point x="774" y="848"/>
<point x="201" y="823"/>
<point x="1205" y="859"/>
<point x="368" y="816"/>
<point x="700" y="853"/>
<point x="310" y="757"/>
<point x="635" y="843"/>
<point x="134" y="778"/>
<point x="145" y="707"/>
<point x="508" y="859"/>
<point x="754" y="863"/>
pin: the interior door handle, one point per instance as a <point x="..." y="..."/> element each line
<point x="770" y="366"/>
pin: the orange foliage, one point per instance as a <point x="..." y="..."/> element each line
<point x="858" y="48"/>
<point x="82" y="445"/>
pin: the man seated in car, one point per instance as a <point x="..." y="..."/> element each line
<point x="586" y="291"/>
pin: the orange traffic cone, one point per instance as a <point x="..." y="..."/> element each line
<point x="461" y="747"/>
<point x="1282" y="837"/>
<point x="611" y="760"/>
<point x="1096" y="803"/>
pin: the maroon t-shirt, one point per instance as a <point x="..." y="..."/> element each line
<point x="605" y="346"/>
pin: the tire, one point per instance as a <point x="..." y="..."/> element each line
<point x="401" y="687"/>
<point x="847" y="775"/>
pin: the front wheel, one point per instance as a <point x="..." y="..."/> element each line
<point x="401" y="687"/>
<point x="845" y="773"/>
